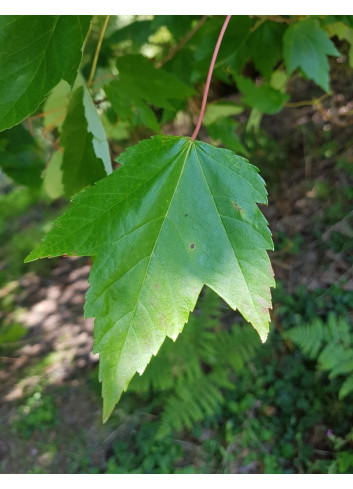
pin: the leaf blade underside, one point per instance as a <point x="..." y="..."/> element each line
<point x="177" y="215"/>
<point x="86" y="156"/>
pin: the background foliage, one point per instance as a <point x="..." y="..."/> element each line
<point x="216" y="400"/>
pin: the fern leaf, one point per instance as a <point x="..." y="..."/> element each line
<point x="346" y="388"/>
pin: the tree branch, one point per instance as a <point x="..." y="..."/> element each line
<point x="182" y="43"/>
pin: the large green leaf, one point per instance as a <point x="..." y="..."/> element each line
<point x="177" y="215"/>
<point x="86" y="156"/>
<point x="306" y="46"/>
<point x="37" y="51"/>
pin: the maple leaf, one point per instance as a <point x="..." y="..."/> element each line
<point x="177" y="215"/>
<point x="306" y="46"/>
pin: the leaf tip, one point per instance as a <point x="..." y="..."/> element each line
<point x="30" y="257"/>
<point x="263" y="337"/>
<point x="107" y="411"/>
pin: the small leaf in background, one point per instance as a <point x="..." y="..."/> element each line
<point x="155" y="86"/>
<point x="343" y="32"/>
<point x="306" y="46"/>
<point x="224" y="130"/>
<point x="264" y="98"/>
<point x="264" y="46"/>
<point x="177" y="215"/>
<point x="55" y="107"/>
<point x="86" y="152"/>
<point x="129" y="106"/>
<point x="20" y="156"/>
<point x="141" y="84"/>
<point x="278" y="80"/>
<point x="53" y="175"/>
<point x="219" y="110"/>
<point x="137" y="33"/>
<point x="56" y="104"/>
<point x="115" y="129"/>
<point x="34" y="57"/>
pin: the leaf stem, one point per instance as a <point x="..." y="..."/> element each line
<point x="96" y="54"/>
<point x="209" y="76"/>
<point x="314" y="101"/>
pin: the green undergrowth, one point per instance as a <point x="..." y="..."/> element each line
<point x="25" y="215"/>
<point x="36" y="413"/>
<point x="280" y="412"/>
<point x="216" y="400"/>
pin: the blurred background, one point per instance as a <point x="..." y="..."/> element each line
<point x="216" y="400"/>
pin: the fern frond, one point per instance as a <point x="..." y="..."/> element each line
<point x="331" y="356"/>
<point x="330" y="343"/>
<point x="344" y="367"/>
<point x="191" y="403"/>
<point x="309" y="338"/>
<point x="338" y="330"/>
<point x="346" y="388"/>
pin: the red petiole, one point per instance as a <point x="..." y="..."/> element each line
<point x="209" y="76"/>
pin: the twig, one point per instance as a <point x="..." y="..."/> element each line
<point x="96" y="54"/>
<point x="273" y="18"/>
<point x="182" y="43"/>
<point x="43" y="114"/>
<point x="257" y="25"/>
<point x="332" y="117"/>
<point x="209" y="76"/>
<point x="314" y="101"/>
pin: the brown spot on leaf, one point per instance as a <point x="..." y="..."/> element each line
<point x="238" y="207"/>
<point x="192" y="246"/>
